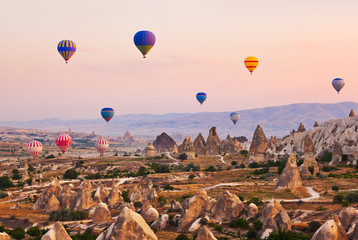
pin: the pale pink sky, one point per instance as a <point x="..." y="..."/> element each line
<point x="201" y="45"/>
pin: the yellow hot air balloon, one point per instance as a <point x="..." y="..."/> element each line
<point x="251" y="63"/>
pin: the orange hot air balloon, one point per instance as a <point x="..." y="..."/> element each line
<point x="251" y="63"/>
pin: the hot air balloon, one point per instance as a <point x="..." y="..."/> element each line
<point x="107" y="114"/>
<point x="251" y="63"/>
<point x="34" y="148"/>
<point x="66" y="48"/>
<point x="63" y="142"/>
<point x="102" y="145"/>
<point x="144" y="41"/>
<point x="234" y="116"/>
<point x="201" y="97"/>
<point x="338" y="84"/>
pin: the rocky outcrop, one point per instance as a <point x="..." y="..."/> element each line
<point x="129" y="225"/>
<point x="58" y="232"/>
<point x="65" y="196"/>
<point x="161" y="222"/>
<point x="4" y="236"/>
<point x="101" y="194"/>
<point x="272" y="142"/>
<point x="175" y="206"/>
<point x="193" y="209"/>
<point x="238" y="146"/>
<point x="149" y="150"/>
<point x="52" y="205"/>
<point x="290" y="176"/>
<point x="252" y="211"/>
<point x="101" y="214"/>
<point x="82" y="199"/>
<point x="337" y="153"/>
<point x="228" y="145"/>
<point x="149" y="192"/>
<point x="16" y="206"/>
<point x="115" y="196"/>
<point x="149" y="213"/>
<point x="227" y="207"/>
<point x="346" y="216"/>
<point x="205" y="234"/>
<point x="54" y="189"/>
<point x="331" y="230"/>
<point x="316" y="124"/>
<point x="301" y="128"/>
<point x="187" y="147"/>
<point x="199" y="145"/>
<point x="164" y="143"/>
<point x="213" y="142"/>
<point x="258" y="145"/>
<point x="135" y="195"/>
<point x="352" y="114"/>
<point x="274" y="218"/>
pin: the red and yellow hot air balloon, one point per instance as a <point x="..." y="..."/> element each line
<point x="34" y="148"/>
<point x="102" y="145"/>
<point x="63" y="142"/>
<point x="251" y="63"/>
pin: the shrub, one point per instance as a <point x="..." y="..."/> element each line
<point x="3" y="195"/>
<point x="327" y="157"/>
<point x="233" y="163"/>
<point x="255" y="200"/>
<point x="17" y="233"/>
<point x="239" y="223"/>
<point x="191" y="176"/>
<point x="257" y="224"/>
<point x="261" y="171"/>
<point x="125" y="195"/>
<point x="338" y="198"/>
<point x="335" y="188"/>
<point x="34" y="231"/>
<point x="326" y="168"/>
<point x="287" y="236"/>
<point x="241" y="198"/>
<point x="31" y="168"/>
<point x="313" y="226"/>
<point x="345" y="203"/>
<point x="16" y="175"/>
<point x="67" y="215"/>
<point x="142" y="171"/>
<point x="218" y="228"/>
<point x="352" y="197"/>
<point x="244" y="152"/>
<point x="253" y="165"/>
<point x="168" y="187"/>
<point x="300" y="162"/>
<point x="5" y="182"/>
<point x="183" y="156"/>
<point x="311" y="169"/>
<point x="70" y="174"/>
<point x="242" y="165"/>
<point x="162" y="201"/>
<point x="50" y="156"/>
<point x="137" y="204"/>
<point x="84" y="236"/>
<point x="210" y="169"/>
<point x="252" y="234"/>
<point x="182" y="236"/>
<point x="190" y="167"/>
<point x="321" y="208"/>
<point x="162" y="168"/>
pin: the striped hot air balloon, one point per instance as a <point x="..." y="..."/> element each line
<point x="251" y="63"/>
<point x="107" y="114"/>
<point x="201" y="97"/>
<point x="144" y="41"/>
<point x="63" y="142"/>
<point x="102" y="145"/>
<point x="34" y="148"/>
<point x="66" y="48"/>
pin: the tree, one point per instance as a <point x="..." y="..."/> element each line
<point x="5" y="182"/>
<point x="70" y="174"/>
<point x="183" y="156"/>
<point x="16" y="175"/>
<point x="34" y="231"/>
<point x="18" y="233"/>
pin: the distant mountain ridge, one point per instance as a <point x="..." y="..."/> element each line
<point x="278" y="120"/>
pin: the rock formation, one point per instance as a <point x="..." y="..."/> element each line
<point x="301" y="128"/>
<point x="213" y="142"/>
<point x="252" y="211"/>
<point x="129" y="225"/>
<point x="205" y="234"/>
<point x="258" y="145"/>
<point x="149" y="213"/>
<point x="82" y="199"/>
<point x="238" y="145"/>
<point x="352" y="114"/>
<point x="135" y="195"/>
<point x="228" y="145"/>
<point x="52" y="205"/>
<point x="65" y="196"/>
<point x="16" y="206"/>
<point x="290" y="176"/>
<point x="149" y="150"/>
<point x="101" y="194"/>
<point x="199" y="145"/>
<point x="161" y="222"/>
<point x="227" y="207"/>
<point x="194" y="209"/>
<point x="4" y="236"/>
<point x="149" y="192"/>
<point x="114" y="196"/>
<point x="101" y="214"/>
<point x="175" y="206"/>
<point x="274" y="218"/>
<point x="331" y="230"/>
<point x="164" y="143"/>
<point x="316" y="124"/>
<point x="309" y="158"/>
<point x="347" y="216"/>
<point x="272" y="142"/>
<point x="58" y="232"/>
<point x="337" y="153"/>
<point x="187" y="147"/>
<point x="54" y="189"/>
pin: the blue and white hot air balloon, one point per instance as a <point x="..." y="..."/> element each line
<point x="234" y="116"/>
<point x="338" y="84"/>
<point x="201" y="97"/>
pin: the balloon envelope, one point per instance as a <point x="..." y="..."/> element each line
<point x="63" y="142"/>
<point x="201" y="97"/>
<point x="251" y="63"/>
<point x="234" y="116"/>
<point x="34" y="148"/>
<point x="107" y="114"/>
<point x="144" y="41"/>
<point x="338" y="84"/>
<point x="66" y="48"/>
<point x="102" y="145"/>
